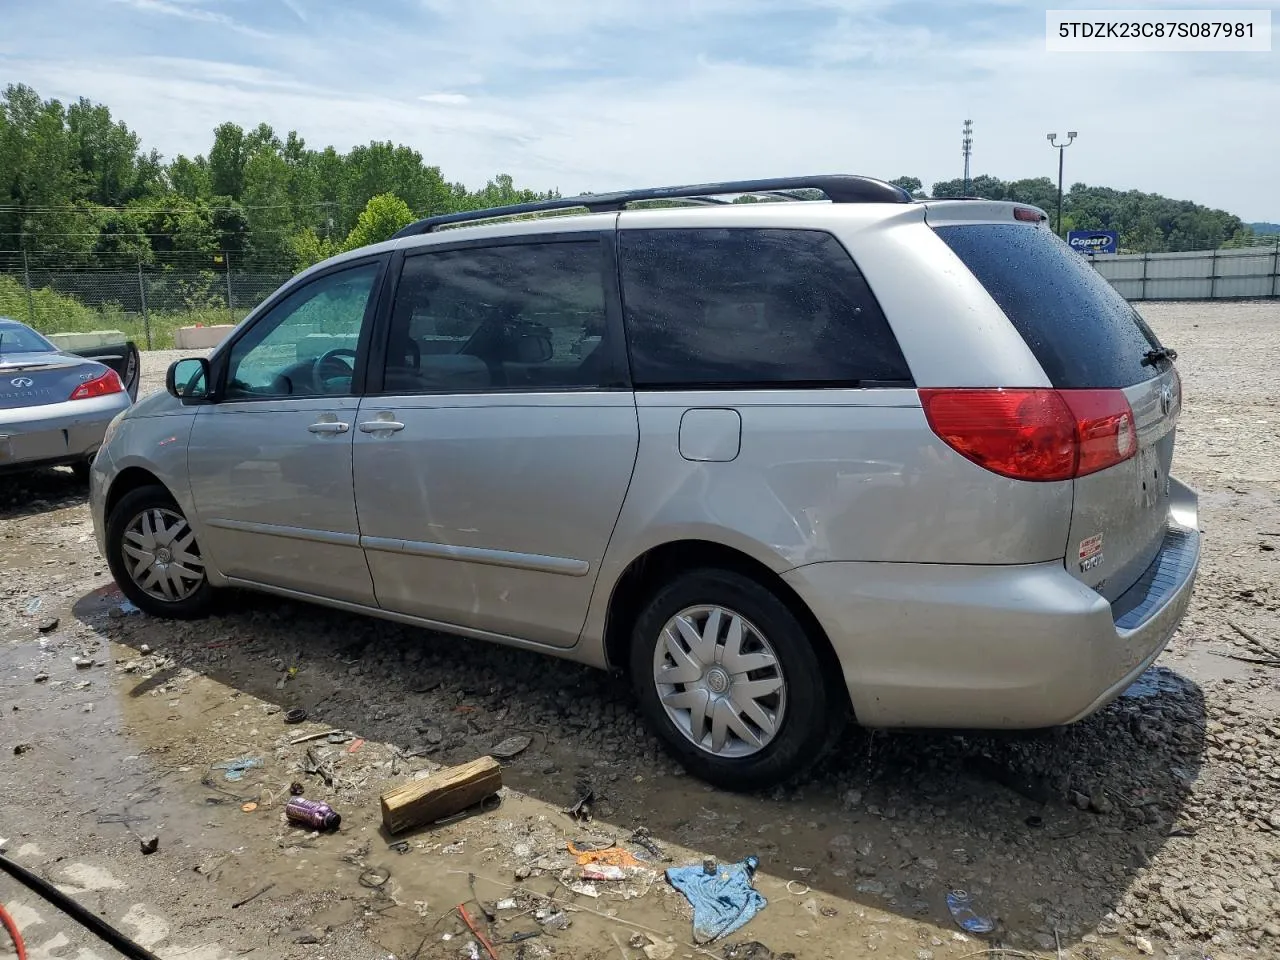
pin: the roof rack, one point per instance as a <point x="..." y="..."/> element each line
<point x="838" y="189"/>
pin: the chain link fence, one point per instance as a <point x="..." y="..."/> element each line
<point x="65" y="293"/>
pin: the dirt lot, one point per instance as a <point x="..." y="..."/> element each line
<point x="1151" y="828"/>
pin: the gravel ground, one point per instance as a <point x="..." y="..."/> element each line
<point x="1150" y="828"/>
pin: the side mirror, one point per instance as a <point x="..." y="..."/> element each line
<point x="188" y="379"/>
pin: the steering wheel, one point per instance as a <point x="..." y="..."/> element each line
<point x="331" y="365"/>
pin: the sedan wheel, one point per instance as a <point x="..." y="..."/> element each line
<point x="719" y="681"/>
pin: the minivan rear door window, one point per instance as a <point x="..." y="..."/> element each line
<point x="1083" y="333"/>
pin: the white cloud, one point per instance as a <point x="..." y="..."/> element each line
<point x="449" y="98"/>
<point x="191" y="10"/>
<point x="601" y="94"/>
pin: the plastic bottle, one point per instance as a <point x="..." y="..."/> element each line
<point x="312" y="813"/>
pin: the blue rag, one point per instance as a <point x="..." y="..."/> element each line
<point x="722" y="901"/>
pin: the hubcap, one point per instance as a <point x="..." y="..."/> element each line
<point x="161" y="555"/>
<point x="719" y="681"/>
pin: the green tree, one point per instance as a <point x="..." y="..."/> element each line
<point x="912" y="185"/>
<point x="226" y="161"/>
<point x="382" y="216"/>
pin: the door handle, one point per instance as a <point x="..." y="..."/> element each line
<point x="329" y="426"/>
<point x="381" y="426"/>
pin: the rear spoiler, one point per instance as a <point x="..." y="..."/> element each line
<point x="122" y="358"/>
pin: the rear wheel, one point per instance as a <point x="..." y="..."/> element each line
<point x="154" y="556"/>
<point x="729" y="678"/>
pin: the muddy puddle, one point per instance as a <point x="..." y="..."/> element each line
<point x="858" y="860"/>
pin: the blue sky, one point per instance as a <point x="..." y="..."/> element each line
<point x="601" y="94"/>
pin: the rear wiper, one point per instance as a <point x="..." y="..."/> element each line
<point x="1152" y="357"/>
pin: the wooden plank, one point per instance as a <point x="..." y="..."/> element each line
<point x="440" y="795"/>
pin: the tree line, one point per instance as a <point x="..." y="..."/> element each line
<point x="1146" y="222"/>
<point x="76" y="184"/>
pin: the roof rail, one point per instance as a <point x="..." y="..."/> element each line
<point x="838" y="188"/>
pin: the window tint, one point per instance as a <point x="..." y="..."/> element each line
<point x="306" y="345"/>
<point x="16" y="338"/>
<point x="751" y="307"/>
<point x="1083" y="333"/>
<point x="527" y="316"/>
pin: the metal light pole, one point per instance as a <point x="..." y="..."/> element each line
<point x="966" y="148"/>
<point x="1053" y="138"/>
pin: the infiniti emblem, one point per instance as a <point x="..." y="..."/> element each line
<point x="1166" y="398"/>
<point x="21" y="382"/>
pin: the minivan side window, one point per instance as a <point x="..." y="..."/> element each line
<point x="524" y="316"/>
<point x="306" y="345"/>
<point x="752" y="308"/>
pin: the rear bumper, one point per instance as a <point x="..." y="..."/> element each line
<point x="997" y="647"/>
<point x="56" y="433"/>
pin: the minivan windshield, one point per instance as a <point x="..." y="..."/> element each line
<point x="1082" y="331"/>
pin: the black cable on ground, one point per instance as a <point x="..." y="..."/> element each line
<point x="91" y="921"/>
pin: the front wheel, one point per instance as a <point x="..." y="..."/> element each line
<point x="729" y="678"/>
<point x="154" y="557"/>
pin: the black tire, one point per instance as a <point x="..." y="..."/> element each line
<point x="813" y="706"/>
<point x="130" y="506"/>
<point x="81" y="470"/>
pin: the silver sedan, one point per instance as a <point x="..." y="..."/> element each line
<point x="55" y="405"/>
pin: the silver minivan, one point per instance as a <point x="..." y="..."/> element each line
<point x="784" y="463"/>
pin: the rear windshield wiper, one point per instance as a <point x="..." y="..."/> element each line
<point x="1160" y="354"/>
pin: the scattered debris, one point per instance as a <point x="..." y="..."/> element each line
<point x="511" y="747"/>
<point x="488" y="914"/>
<point x="798" y="888"/>
<point x="659" y="950"/>
<point x="586" y="889"/>
<point x="400" y="846"/>
<point x="48" y="625"/>
<point x="33" y="606"/>
<point x="581" y="808"/>
<point x="723" y="901"/>
<point x="307" y="737"/>
<point x="356" y="746"/>
<point x="753" y="950"/>
<point x="484" y="941"/>
<point x="251" y="897"/>
<point x="312" y="813"/>
<point x="611" y="856"/>
<point x="248" y="807"/>
<point x="20" y="748"/>
<point x="961" y="907"/>
<point x="374" y="877"/>
<point x="296" y="789"/>
<point x="145" y="649"/>
<point x="642" y="839"/>
<point x="443" y="794"/>
<point x="41" y="677"/>
<point x="82" y="663"/>
<point x="296" y="715"/>
<point x="237" y="768"/>
<point x="149" y="845"/>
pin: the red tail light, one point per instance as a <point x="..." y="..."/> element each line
<point x="1026" y="213"/>
<point x="101" y="386"/>
<point x="1034" y="434"/>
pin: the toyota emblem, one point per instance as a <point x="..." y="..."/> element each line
<point x="22" y="382"/>
<point x="1166" y="398"/>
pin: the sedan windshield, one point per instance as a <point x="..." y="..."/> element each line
<point x="15" y="338"/>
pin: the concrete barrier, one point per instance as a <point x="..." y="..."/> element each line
<point x="86" y="341"/>
<point x="200" y="338"/>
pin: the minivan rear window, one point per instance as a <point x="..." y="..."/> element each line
<point x="1084" y="334"/>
